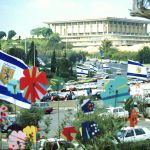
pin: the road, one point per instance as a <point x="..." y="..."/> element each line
<point x="57" y="117"/>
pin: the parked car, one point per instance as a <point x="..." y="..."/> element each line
<point x="55" y="144"/>
<point x="128" y="134"/>
<point x="118" y="112"/>
<point x="42" y="105"/>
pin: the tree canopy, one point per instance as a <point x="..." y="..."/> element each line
<point x="2" y="34"/>
<point x="32" y="55"/>
<point x="105" y="45"/>
<point x="11" y="34"/>
<point x="42" y="31"/>
<point x="17" y="52"/>
<point x="54" y="40"/>
<point x="144" y="55"/>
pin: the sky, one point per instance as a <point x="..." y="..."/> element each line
<point x="24" y="15"/>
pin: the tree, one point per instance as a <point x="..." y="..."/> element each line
<point x="11" y="34"/>
<point x="54" y="40"/>
<point x="144" y="55"/>
<point x="32" y="55"/>
<point x="140" y="8"/>
<point x="64" y="68"/>
<point x="105" y="45"/>
<point x="43" y="31"/>
<point x="46" y="32"/>
<point x="53" y="62"/>
<point x="17" y="52"/>
<point x="36" y="31"/>
<point x="2" y="34"/>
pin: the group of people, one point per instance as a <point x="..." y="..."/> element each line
<point x="70" y="96"/>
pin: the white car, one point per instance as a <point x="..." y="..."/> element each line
<point x="118" y="112"/>
<point x="128" y="134"/>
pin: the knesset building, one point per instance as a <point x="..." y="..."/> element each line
<point x="91" y="32"/>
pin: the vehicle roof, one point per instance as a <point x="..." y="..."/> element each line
<point x="136" y="127"/>
<point x="114" y="107"/>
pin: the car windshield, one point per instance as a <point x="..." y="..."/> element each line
<point x="108" y="110"/>
<point x="121" y="133"/>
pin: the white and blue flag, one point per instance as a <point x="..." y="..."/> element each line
<point x="93" y="68"/>
<point x="81" y="71"/>
<point x="136" y="70"/>
<point x="105" y="66"/>
<point x="11" y="68"/>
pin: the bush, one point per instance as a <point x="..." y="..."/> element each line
<point x="30" y="117"/>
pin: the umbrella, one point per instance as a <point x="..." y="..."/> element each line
<point x="33" y="84"/>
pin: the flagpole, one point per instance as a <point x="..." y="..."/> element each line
<point x="14" y="86"/>
<point x="58" y="111"/>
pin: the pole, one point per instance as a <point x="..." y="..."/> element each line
<point x="34" y="54"/>
<point x="1" y="135"/>
<point x="14" y="86"/>
<point x="58" y="111"/>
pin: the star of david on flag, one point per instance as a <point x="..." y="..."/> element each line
<point x="136" y="70"/>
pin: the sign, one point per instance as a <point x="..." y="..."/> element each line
<point x="57" y="83"/>
<point x="115" y="92"/>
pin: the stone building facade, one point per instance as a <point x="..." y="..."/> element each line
<point x="90" y="32"/>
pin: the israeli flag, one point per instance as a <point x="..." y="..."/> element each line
<point x="105" y="66"/>
<point x="93" y="68"/>
<point x="136" y="70"/>
<point x="82" y="71"/>
<point x="11" y="68"/>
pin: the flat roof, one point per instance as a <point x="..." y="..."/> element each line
<point x="100" y="19"/>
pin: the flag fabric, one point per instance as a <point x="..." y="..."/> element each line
<point x="69" y="133"/>
<point x="136" y="70"/>
<point x="87" y="106"/>
<point x="101" y="53"/>
<point x="81" y="71"/>
<point x="11" y="68"/>
<point x="93" y="68"/>
<point x="89" y="129"/>
<point x="105" y="66"/>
